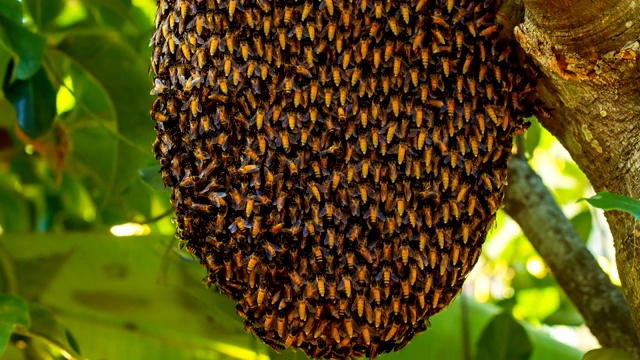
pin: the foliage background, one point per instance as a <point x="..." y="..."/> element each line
<point x="77" y="174"/>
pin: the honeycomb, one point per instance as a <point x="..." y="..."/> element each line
<point x="335" y="165"/>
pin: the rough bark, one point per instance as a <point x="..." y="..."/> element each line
<point x="529" y="202"/>
<point x="588" y="54"/>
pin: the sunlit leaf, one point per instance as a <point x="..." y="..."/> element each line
<point x="13" y="311"/>
<point x="116" y="287"/>
<point x="27" y="47"/>
<point x="537" y="303"/>
<point x="504" y="339"/>
<point x="74" y="12"/>
<point x="93" y="106"/>
<point x="148" y="7"/>
<point x="35" y="102"/>
<point x="608" y="201"/>
<point x="607" y="354"/>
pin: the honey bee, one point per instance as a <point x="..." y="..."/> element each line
<point x="392" y="23"/>
<point x="401" y="150"/>
<point x="363" y="5"/>
<point x="320" y="284"/>
<point x="486" y="180"/>
<point x="491" y="113"/>
<point x="228" y="270"/>
<point x="306" y="10"/>
<point x="280" y="325"/>
<point x="328" y="4"/>
<point x="380" y="317"/>
<point x="271" y="249"/>
<point x="377" y="9"/>
<point x="397" y="65"/>
<point x="392" y="330"/>
<point x="386" y="275"/>
<point x="296" y="280"/>
<point x="361" y="306"/>
<point x="388" y="50"/>
<point x="489" y="91"/>
<point x="248" y="169"/>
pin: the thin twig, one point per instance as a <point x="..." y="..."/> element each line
<point x="155" y="218"/>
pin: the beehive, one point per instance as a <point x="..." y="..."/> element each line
<point x="335" y="165"/>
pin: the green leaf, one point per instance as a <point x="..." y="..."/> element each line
<point x="537" y="303"/>
<point x="117" y="7"/>
<point x="504" y="339"/>
<point x="5" y="59"/>
<point x="95" y="167"/>
<point x="27" y="47"/>
<point x="151" y="176"/>
<point x="15" y="214"/>
<point x="607" y="354"/>
<point x="35" y="275"/>
<point x="565" y="315"/>
<point x="129" y="297"/>
<point x="76" y="201"/>
<point x="93" y="104"/>
<point x="608" y="201"/>
<point x="74" y="14"/>
<point x="532" y="136"/>
<point x="35" y="102"/>
<point x="12" y="9"/>
<point x="44" y="12"/>
<point x="122" y="74"/>
<point x="45" y="325"/>
<point x="8" y="112"/>
<point x="13" y="311"/>
<point x="136" y="202"/>
<point x="25" y="171"/>
<point x="78" y="205"/>
<point x="583" y="223"/>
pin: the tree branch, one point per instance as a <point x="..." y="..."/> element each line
<point x="589" y="56"/>
<point x="585" y="28"/>
<point x="603" y="307"/>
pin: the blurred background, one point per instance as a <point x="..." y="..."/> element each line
<point x="90" y="268"/>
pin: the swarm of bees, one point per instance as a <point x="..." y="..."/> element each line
<point x="335" y="164"/>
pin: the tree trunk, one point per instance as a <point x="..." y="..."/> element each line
<point x="588" y="55"/>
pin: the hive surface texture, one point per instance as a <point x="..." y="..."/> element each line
<point x="335" y="165"/>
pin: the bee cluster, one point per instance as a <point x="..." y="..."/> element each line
<point x="335" y="165"/>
